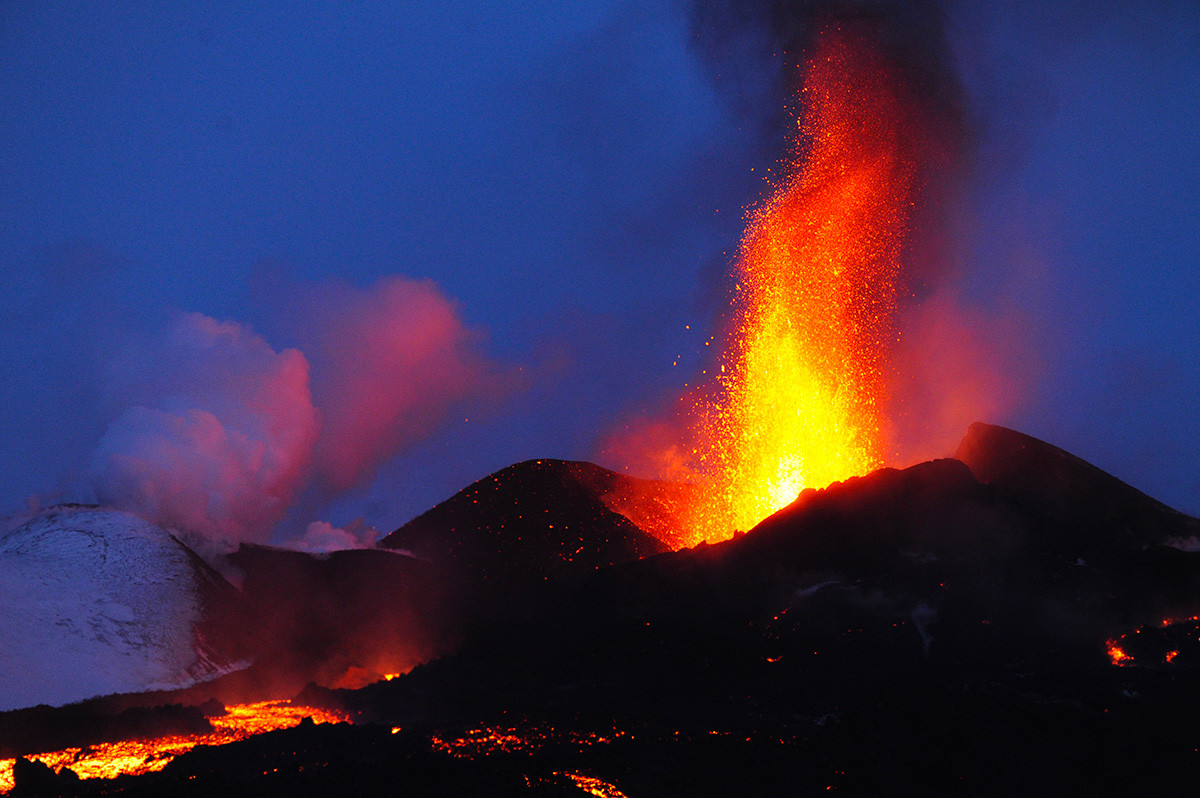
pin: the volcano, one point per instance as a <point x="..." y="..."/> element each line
<point x="946" y="628"/>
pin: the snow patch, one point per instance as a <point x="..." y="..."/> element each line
<point x="95" y="601"/>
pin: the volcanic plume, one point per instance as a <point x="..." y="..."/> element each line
<point x="216" y="434"/>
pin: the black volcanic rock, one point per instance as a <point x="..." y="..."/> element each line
<point x="38" y="729"/>
<point x="933" y="510"/>
<point x="32" y="777"/>
<point x="1085" y="504"/>
<point x="533" y="520"/>
<point x="940" y="629"/>
<point x="874" y="584"/>
<point x="342" y="617"/>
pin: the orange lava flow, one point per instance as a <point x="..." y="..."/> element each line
<point x="108" y="760"/>
<point x="803" y="377"/>
<point x="594" y="786"/>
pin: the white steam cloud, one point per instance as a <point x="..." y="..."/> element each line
<point x="218" y="431"/>
<point x="220" y="434"/>
<point x="321" y="537"/>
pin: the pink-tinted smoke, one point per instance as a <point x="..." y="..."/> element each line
<point x="954" y="364"/>
<point x="217" y="433"/>
<point x="321" y="537"/>
<point x="391" y="363"/>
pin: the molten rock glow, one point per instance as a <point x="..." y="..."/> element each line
<point x="109" y="760"/>
<point x="802" y="379"/>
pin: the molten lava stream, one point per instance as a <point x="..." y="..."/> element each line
<point x="107" y="760"/>
<point x="802" y="384"/>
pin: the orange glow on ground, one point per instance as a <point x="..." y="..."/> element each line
<point x="1117" y="655"/>
<point x="594" y="786"/>
<point x="802" y="382"/>
<point x="485" y="741"/>
<point x="108" y="760"/>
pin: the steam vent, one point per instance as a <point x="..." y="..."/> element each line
<point x="1010" y="620"/>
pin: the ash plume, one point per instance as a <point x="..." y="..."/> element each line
<point x="391" y="363"/>
<point x="753" y="51"/>
<point x="321" y="537"/>
<point x="756" y="51"/>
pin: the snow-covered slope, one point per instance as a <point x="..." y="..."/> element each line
<point x="96" y="601"/>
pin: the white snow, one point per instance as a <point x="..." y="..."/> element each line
<point x="94" y="601"/>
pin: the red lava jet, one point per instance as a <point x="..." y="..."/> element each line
<point x="803" y="379"/>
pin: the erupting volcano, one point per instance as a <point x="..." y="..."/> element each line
<point x="803" y="377"/>
<point x="779" y="615"/>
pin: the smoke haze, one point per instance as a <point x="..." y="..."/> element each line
<point x="391" y="363"/>
<point x="218" y="432"/>
<point x="221" y="435"/>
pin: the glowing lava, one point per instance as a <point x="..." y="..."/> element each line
<point x="594" y="786"/>
<point x="108" y="760"/>
<point x="1117" y="655"/>
<point x="803" y="378"/>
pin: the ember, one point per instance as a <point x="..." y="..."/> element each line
<point x="594" y="786"/>
<point x="802" y="380"/>
<point x="1159" y="643"/>
<point x="108" y="760"/>
<point x="485" y="741"/>
<point x="1117" y="654"/>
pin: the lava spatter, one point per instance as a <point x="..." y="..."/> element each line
<point x="803" y="380"/>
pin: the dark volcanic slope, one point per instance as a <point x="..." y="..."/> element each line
<point x="937" y="630"/>
<point x="910" y="627"/>
<point x="345" y="616"/>
<point x="1090" y="507"/>
<point x="539" y="518"/>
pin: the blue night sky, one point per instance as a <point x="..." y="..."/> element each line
<point x="247" y="179"/>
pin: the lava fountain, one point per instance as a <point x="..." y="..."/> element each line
<point x="800" y="396"/>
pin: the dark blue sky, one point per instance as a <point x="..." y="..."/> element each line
<point x="572" y="180"/>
